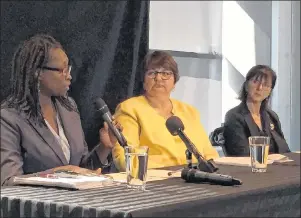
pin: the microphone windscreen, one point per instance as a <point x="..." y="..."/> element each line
<point x="184" y="173"/>
<point x="174" y="124"/>
<point x="188" y="174"/>
<point x="101" y="105"/>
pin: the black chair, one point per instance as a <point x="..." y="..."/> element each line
<point x="218" y="141"/>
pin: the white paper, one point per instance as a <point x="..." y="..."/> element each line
<point x="246" y="161"/>
<point x="152" y="175"/>
<point x="79" y="182"/>
<point x="69" y="180"/>
<point x="236" y="161"/>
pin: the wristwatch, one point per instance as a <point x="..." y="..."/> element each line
<point x="108" y="162"/>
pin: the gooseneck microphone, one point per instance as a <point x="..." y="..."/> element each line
<point x="197" y="176"/>
<point x="176" y="127"/>
<point x="102" y="107"/>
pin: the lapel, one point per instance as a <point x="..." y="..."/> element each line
<point x="49" y="138"/>
<point x="71" y="124"/>
<point x="249" y="120"/>
<point x="266" y="122"/>
<point x="277" y="133"/>
<point x="274" y="122"/>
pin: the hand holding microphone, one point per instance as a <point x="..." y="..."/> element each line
<point x="107" y="137"/>
<point x="111" y="132"/>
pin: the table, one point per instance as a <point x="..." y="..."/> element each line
<point x="275" y="193"/>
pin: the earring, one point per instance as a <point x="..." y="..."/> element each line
<point x="38" y="86"/>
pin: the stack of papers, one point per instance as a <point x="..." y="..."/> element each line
<point x="76" y="182"/>
<point x="246" y="161"/>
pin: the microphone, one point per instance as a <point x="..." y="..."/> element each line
<point x="197" y="176"/>
<point x="188" y="158"/>
<point x="107" y="116"/>
<point x="176" y="127"/>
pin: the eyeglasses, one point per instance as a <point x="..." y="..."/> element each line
<point x="265" y="86"/>
<point x="64" y="71"/>
<point x="165" y="75"/>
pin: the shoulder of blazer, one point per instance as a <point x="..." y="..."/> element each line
<point x="273" y="114"/>
<point x="239" y="110"/>
<point x="72" y="101"/>
<point x="12" y="115"/>
<point x="8" y="114"/>
<point x="275" y="119"/>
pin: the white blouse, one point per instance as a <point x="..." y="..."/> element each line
<point x="61" y="138"/>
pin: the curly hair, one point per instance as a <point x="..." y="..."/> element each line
<point x="30" y="56"/>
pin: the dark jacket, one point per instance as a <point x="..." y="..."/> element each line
<point x="27" y="147"/>
<point x="239" y="125"/>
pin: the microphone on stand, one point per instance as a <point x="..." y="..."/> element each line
<point x="176" y="127"/>
<point x="188" y="158"/>
<point x="102" y="107"/>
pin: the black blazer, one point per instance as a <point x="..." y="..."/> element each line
<point x="27" y="147"/>
<point x="239" y="125"/>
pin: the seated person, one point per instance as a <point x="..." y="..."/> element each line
<point x="143" y="118"/>
<point x="40" y="125"/>
<point x="253" y="117"/>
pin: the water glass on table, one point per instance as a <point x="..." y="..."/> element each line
<point x="259" y="151"/>
<point x="136" y="159"/>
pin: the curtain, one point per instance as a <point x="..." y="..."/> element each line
<point x="106" y="42"/>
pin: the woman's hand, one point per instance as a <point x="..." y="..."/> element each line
<point x="77" y="169"/>
<point x="106" y="136"/>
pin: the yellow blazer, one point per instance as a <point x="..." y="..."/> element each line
<point x="143" y="126"/>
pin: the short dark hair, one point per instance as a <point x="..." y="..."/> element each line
<point x="31" y="55"/>
<point x="257" y="72"/>
<point x="160" y="59"/>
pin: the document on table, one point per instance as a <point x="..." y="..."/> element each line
<point x="152" y="175"/>
<point x="75" y="182"/>
<point x="246" y="161"/>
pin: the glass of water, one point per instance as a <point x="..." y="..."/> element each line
<point x="259" y="151"/>
<point x="136" y="159"/>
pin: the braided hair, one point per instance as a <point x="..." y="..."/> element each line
<point x="28" y="59"/>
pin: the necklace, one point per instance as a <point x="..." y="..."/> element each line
<point x="164" y="113"/>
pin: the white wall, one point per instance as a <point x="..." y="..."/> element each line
<point x="185" y="25"/>
<point x="245" y="42"/>
<point x="286" y="62"/>
<point x="188" y="26"/>
<point x="295" y="86"/>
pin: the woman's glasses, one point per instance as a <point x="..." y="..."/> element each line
<point x="64" y="71"/>
<point x="265" y="86"/>
<point x="165" y="75"/>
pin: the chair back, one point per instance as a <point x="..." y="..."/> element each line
<point x="218" y="141"/>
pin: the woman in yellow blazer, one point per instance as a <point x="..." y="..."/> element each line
<point x="143" y="118"/>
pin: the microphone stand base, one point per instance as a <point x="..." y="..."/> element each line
<point x="209" y="167"/>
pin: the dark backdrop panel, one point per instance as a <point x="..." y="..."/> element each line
<point x="105" y="40"/>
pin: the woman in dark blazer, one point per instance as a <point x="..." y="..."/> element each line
<point x="40" y="125"/>
<point x="253" y="117"/>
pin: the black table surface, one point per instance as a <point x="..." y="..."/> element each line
<point x="273" y="193"/>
